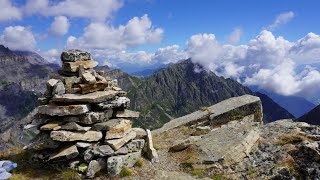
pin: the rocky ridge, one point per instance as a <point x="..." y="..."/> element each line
<point x="84" y="121"/>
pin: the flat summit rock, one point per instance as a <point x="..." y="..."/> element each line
<point x="95" y="97"/>
<point x="88" y="136"/>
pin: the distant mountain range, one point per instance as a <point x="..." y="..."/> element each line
<point x="178" y="90"/>
<point x="294" y="104"/>
<point x="312" y="117"/>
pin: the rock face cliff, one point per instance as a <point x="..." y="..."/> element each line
<point x="23" y="75"/>
<point x="178" y="90"/>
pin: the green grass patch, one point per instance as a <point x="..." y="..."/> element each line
<point x="126" y="172"/>
<point x="70" y="174"/>
<point x="237" y="117"/>
<point x="139" y="163"/>
<point x="252" y="171"/>
<point x="198" y="172"/>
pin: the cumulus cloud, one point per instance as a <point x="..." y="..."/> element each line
<point x="95" y="10"/>
<point x="59" y="26"/>
<point x="281" y="19"/>
<point x="266" y="61"/>
<point x="235" y="36"/>
<point x="18" y="38"/>
<point x="9" y="12"/>
<point x="136" y="32"/>
<point x="52" y="55"/>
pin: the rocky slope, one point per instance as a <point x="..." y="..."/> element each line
<point x="312" y="117"/>
<point x="178" y="90"/>
<point x="23" y="75"/>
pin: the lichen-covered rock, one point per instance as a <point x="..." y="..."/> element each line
<point x="94" y="97"/>
<point x="75" y="55"/>
<point x="95" y="166"/>
<point x="90" y="117"/>
<point x="118" y="143"/>
<point x="151" y="151"/>
<point x="116" y="163"/>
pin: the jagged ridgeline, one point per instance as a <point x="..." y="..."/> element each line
<point x="84" y="121"/>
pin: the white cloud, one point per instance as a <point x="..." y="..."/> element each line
<point x="235" y="36"/>
<point x="281" y="19"/>
<point x="18" y="38"/>
<point x="52" y="55"/>
<point x="136" y="32"/>
<point x="95" y="10"/>
<point x="59" y="26"/>
<point x="266" y="61"/>
<point x="8" y="12"/>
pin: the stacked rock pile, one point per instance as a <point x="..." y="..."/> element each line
<point x="84" y="121"/>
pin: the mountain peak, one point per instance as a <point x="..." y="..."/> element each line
<point x="4" y="51"/>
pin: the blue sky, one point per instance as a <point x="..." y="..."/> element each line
<point x="257" y="42"/>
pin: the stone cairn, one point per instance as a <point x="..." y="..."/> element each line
<point x="84" y="121"/>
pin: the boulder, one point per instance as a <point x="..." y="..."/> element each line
<point x="64" y="154"/>
<point x="127" y="114"/>
<point x="95" y="166"/>
<point x="74" y="127"/>
<point x="227" y="144"/>
<point x="75" y="55"/>
<point x="151" y="152"/>
<point x="54" y="110"/>
<point x="116" y="163"/>
<point x="90" y="117"/>
<point x="119" y="130"/>
<point x="89" y="78"/>
<point x="95" y="97"/>
<point x="118" y="143"/>
<point x="89" y="136"/>
<point x="74" y="66"/>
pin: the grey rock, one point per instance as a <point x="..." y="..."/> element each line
<point x="90" y="117"/>
<point x="89" y="136"/>
<point x="83" y="144"/>
<point x="183" y="144"/>
<point x="122" y="151"/>
<point x="58" y="89"/>
<point x="88" y="78"/>
<point x="119" y="102"/>
<point x="94" y="97"/>
<point x="52" y="82"/>
<point x="88" y="155"/>
<point x="116" y="163"/>
<point x="95" y="166"/>
<point x="219" y="113"/>
<point x="75" y="55"/>
<point x="127" y="114"/>
<point x="74" y="127"/>
<point x="118" y="143"/>
<point x="103" y="150"/>
<point x="151" y="152"/>
<point x="119" y="130"/>
<point x="135" y="145"/>
<point x="74" y="165"/>
<point x="54" y="110"/>
<point x="106" y="126"/>
<point x="64" y="154"/>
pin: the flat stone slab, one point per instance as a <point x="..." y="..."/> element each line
<point x="74" y="127"/>
<point x="64" y="154"/>
<point x="75" y="55"/>
<point x="95" y="97"/>
<point x="219" y="113"/>
<point x="54" y="110"/>
<point x="64" y="136"/>
<point x="54" y="125"/>
<point x="106" y="126"/>
<point x="227" y="144"/>
<point x="118" y="143"/>
<point x="120" y="102"/>
<point x="119" y="130"/>
<point x="90" y="117"/>
<point x="127" y="114"/>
